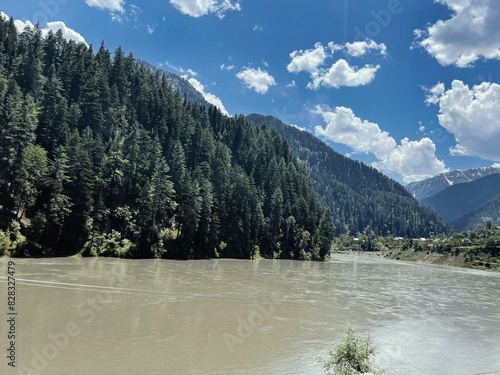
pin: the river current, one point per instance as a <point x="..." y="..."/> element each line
<point x="115" y="316"/>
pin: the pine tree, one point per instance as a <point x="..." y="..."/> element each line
<point x="59" y="204"/>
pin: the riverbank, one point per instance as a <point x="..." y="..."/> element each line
<point x="464" y="257"/>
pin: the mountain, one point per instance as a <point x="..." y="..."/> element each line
<point x="431" y="186"/>
<point x="177" y="82"/>
<point x="359" y="196"/>
<point x="459" y="200"/>
<point x="490" y="210"/>
<point x="99" y="154"/>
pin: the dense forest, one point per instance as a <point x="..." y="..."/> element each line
<point x="362" y="199"/>
<point x="99" y="154"/>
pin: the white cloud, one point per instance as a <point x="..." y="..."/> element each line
<point x="458" y="150"/>
<point x="342" y="74"/>
<point x="179" y="69"/>
<point x="357" y="49"/>
<point x="20" y="25"/>
<point x="434" y="93"/>
<point x="308" y="60"/>
<point x="130" y="15"/>
<point x="472" y="32"/>
<point x="211" y="98"/>
<point x="363" y="136"/>
<point x="112" y="5"/>
<point x="228" y="68"/>
<point x="298" y="127"/>
<point x="291" y="84"/>
<point x="259" y="80"/>
<point x="198" y="8"/>
<point x="151" y="29"/>
<point x="258" y="28"/>
<point x="472" y="115"/>
<point x="67" y="33"/>
<point x="414" y="160"/>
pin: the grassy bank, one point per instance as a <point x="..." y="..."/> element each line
<point x="466" y="257"/>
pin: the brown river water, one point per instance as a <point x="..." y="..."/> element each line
<point x="115" y="316"/>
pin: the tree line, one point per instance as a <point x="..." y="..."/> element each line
<point x="361" y="198"/>
<point x="98" y="153"/>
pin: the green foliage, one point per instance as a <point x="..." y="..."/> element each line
<point x="109" y="244"/>
<point x="11" y="240"/>
<point x="352" y="355"/>
<point x="100" y="153"/>
<point x="360" y="197"/>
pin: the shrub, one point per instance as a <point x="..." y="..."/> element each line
<point x="353" y="355"/>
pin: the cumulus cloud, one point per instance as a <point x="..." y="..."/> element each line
<point x="256" y="79"/>
<point x="20" y="25"/>
<point x="342" y="74"/>
<point x="112" y="5"/>
<point x="198" y="8"/>
<point x="308" y="60"/>
<point x="434" y="93"/>
<point x="291" y="84"/>
<point x="258" y="28"/>
<point x="67" y="32"/>
<point x="472" y="32"/>
<point x="357" y="49"/>
<point x="414" y="160"/>
<point x="298" y="127"/>
<point x="211" y="98"/>
<point x="472" y="115"/>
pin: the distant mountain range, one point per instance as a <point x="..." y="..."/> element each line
<point x="360" y="197"/>
<point x="462" y="198"/>
<point x="458" y="200"/>
<point x="431" y="186"/>
<point x="489" y="210"/>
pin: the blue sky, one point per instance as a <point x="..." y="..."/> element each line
<point x="410" y="87"/>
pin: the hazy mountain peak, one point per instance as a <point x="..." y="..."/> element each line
<point x="431" y="186"/>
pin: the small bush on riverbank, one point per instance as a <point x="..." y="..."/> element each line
<point x="109" y="245"/>
<point x="12" y="240"/>
<point x="353" y="355"/>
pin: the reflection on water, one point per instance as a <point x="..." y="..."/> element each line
<point x="112" y="316"/>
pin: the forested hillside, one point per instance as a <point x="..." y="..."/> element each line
<point x="360" y="197"/>
<point x="489" y="211"/>
<point x="99" y="152"/>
